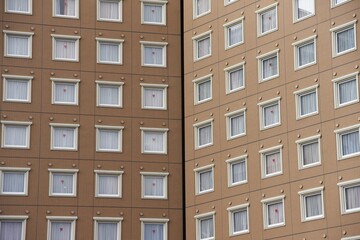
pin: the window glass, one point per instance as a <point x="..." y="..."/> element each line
<point x="109" y="10"/>
<point x="268" y="20"/>
<point x="65" y="8"/>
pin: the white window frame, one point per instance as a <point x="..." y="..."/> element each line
<point x="69" y="219"/>
<point x="231" y="211"/>
<point x="228" y="2"/>
<point x="155" y="174"/>
<point x="25" y="171"/>
<point x="199" y="125"/>
<point x="163" y="87"/>
<point x="311" y="192"/>
<point x="64" y="125"/>
<point x="195" y="15"/>
<point x="146" y="129"/>
<point x="118" y="42"/>
<point x="65" y="80"/>
<point x="196" y="40"/>
<point x="109" y="19"/>
<point x="259" y="14"/>
<point x="342" y="186"/>
<point x="117" y="220"/>
<point x="119" y="129"/>
<point x="19" y="12"/>
<point x="229" y="164"/>
<point x="263" y="153"/>
<point x="157" y="3"/>
<point x="29" y="35"/>
<point x="227" y="26"/>
<point x="74" y="172"/>
<point x="17" y="77"/>
<point x="264" y="57"/>
<point x="298" y="94"/>
<point x="198" y="172"/>
<point x="305" y="141"/>
<point x="228" y="71"/>
<point x="16" y="218"/>
<point x="297" y="45"/>
<point x="108" y="172"/>
<point x="56" y="37"/>
<point x="334" y="31"/>
<point x="3" y="129"/>
<point x="162" y="45"/>
<point x="265" y="104"/>
<point x="197" y="82"/>
<point x="201" y="217"/>
<point x="296" y="18"/>
<point x="334" y="4"/>
<point x="340" y="80"/>
<point x="228" y="117"/>
<point x="265" y="203"/>
<point x="351" y="238"/>
<point x="339" y="133"/>
<point x="115" y="84"/>
<point x="163" y="221"/>
<point x="66" y="16"/>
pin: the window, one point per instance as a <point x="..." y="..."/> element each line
<point x="17" y="44"/>
<point x="108" y="184"/>
<point x="348" y="142"/>
<point x="154" y="140"/>
<point x="227" y="2"/>
<point x="66" y="8"/>
<point x="65" y="91"/>
<point x="349" y="196"/>
<point x="14" y="181"/>
<point x="18" y="6"/>
<point x="305" y="52"/>
<point x="346" y="90"/>
<point x="238" y="219"/>
<point x="13" y="227"/>
<point x="204" y="179"/>
<point x="61" y="227"/>
<point x="64" y="136"/>
<point x="109" y="51"/>
<point x="202" y="89"/>
<point x="234" y="33"/>
<point x="109" y="10"/>
<point x="236" y="124"/>
<point x="15" y="134"/>
<point x="203" y="134"/>
<point x="154" y="185"/>
<point x="309" y="151"/>
<point x="108" y="138"/>
<point x="201" y="7"/>
<point x="107" y="228"/>
<point x="335" y="3"/>
<point x="17" y="88"/>
<point x="271" y="161"/>
<point x="303" y="9"/>
<point x="268" y="66"/>
<point x="154" y="228"/>
<point x="312" y="204"/>
<point x="351" y="238"/>
<point x="269" y="113"/>
<point x="202" y="46"/>
<point x="154" y="96"/>
<point x="153" y="12"/>
<point x="62" y="182"/>
<point x="237" y="170"/>
<point x="65" y="48"/>
<point x="306" y="102"/>
<point x="109" y="94"/>
<point x="153" y="54"/>
<point x="205" y="226"/>
<point x="344" y="38"/>
<point x="273" y="212"/>
<point x="235" y="78"/>
<point x="267" y="19"/>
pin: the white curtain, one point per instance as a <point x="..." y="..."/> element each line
<point x="203" y="47"/>
<point x="17" y="5"/>
<point x="269" y="67"/>
<point x="204" y="89"/>
<point x="15" y="135"/>
<point x="240" y="221"/>
<point x="236" y="79"/>
<point x="60" y="230"/>
<point x="206" y="228"/>
<point x="304" y="8"/>
<point x="13" y="182"/>
<point x="238" y="172"/>
<point x="268" y="20"/>
<point x="273" y="163"/>
<point x="63" y="183"/>
<point x="348" y="91"/>
<point x="345" y="40"/>
<point x="153" y="141"/>
<point x="153" y="97"/>
<point x="109" y="95"/>
<point x="108" y="139"/>
<point x="235" y="34"/>
<point x="17" y="45"/>
<point x="107" y="231"/>
<point x="63" y="137"/>
<point x="16" y="89"/>
<point x="108" y="184"/>
<point x="306" y="54"/>
<point x="206" y="180"/>
<point x="308" y="103"/>
<point x="352" y="195"/>
<point x="109" y="52"/>
<point x="109" y="9"/>
<point x="65" y="49"/>
<point x="204" y="135"/>
<point x="153" y="13"/>
<point x="65" y="7"/>
<point x="64" y="92"/>
<point x="313" y="205"/>
<point x="350" y="143"/>
<point x="153" y="231"/>
<point x="154" y="186"/>
<point x="202" y="6"/>
<point x="310" y="153"/>
<point x="271" y="115"/>
<point x="237" y="125"/>
<point x="10" y="230"/>
<point x="275" y="213"/>
<point x="153" y="55"/>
